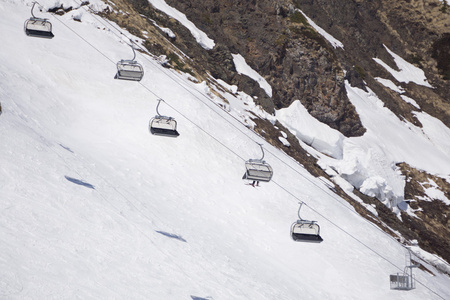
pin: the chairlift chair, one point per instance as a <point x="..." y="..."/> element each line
<point x="401" y="282"/>
<point x="404" y="281"/>
<point x="163" y="125"/>
<point x="305" y="231"/>
<point x="258" y="169"/>
<point x="38" y="27"/>
<point x="129" y="69"/>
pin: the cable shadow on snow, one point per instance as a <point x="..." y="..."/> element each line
<point x="171" y="235"/>
<point x="200" y="298"/>
<point x="80" y="182"/>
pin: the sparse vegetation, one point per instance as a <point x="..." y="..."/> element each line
<point x="441" y="53"/>
<point x="360" y="71"/>
<point x="206" y="18"/>
<point x="281" y="40"/>
<point x="298" y="17"/>
<point x="415" y="59"/>
<point x="312" y="34"/>
<point x="295" y="30"/>
<point x="175" y="61"/>
<point x="154" y="48"/>
<point x="134" y="31"/>
<point x="444" y="7"/>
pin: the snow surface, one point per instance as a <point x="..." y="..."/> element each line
<point x="361" y="161"/>
<point x="309" y="130"/>
<point x="434" y="193"/>
<point x="243" y="68"/>
<point x="92" y="206"/>
<point x="368" y="162"/>
<point x="437" y="133"/>
<point x="201" y="37"/>
<point x="166" y="30"/>
<point x="407" y="72"/>
<point x="410" y="101"/>
<point x="388" y="83"/>
<point x="283" y="139"/>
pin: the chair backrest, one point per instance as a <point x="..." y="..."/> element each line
<point x="164" y="123"/>
<point x="400" y="282"/>
<point x="38" y="24"/>
<point x="127" y="65"/>
<point x="258" y="169"/>
<point x="306" y="228"/>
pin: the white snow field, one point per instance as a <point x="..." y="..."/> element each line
<point x="92" y="206"/>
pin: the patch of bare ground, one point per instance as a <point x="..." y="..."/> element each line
<point x="432" y="222"/>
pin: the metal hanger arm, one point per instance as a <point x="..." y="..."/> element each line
<point x="262" y="150"/>
<point x="157" y="106"/>
<point x="34" y="3"/>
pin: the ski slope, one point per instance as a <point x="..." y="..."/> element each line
<point x="92" y="206"/>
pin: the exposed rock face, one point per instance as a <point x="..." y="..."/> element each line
<point x="277" y="41"/>
<point x="413" y="29"/>
<point x="432" y="225"/>
<point x="441" y="53"/>
<point x="299" y="64"/>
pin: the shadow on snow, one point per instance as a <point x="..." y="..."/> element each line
<point x="80" y="182"/>
<point x="67" y="148"/>
<point x="174" y="236"/>
<point x="200" y="298"/>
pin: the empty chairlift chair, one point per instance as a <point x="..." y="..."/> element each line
<point x="404" y="281"/>
<point x="258" y="169"/>
<point x="162" y="125"/>
<point x="305" y="231"/>
<point x="38" y="27"/>
<point x="129" y="69"/>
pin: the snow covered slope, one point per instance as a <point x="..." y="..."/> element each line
<point x="92" y="206"/>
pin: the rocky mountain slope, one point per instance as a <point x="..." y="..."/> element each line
<point x="278" y="41"/>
